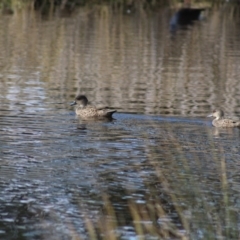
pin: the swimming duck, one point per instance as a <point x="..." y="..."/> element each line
<point x="220" y="121"/>
<point x="84" y="110"/>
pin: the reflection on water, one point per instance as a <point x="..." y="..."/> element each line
<point x="58" y="172"/>
<point x="131" y="62"/>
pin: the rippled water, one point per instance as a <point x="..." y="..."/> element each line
<point x="57" y="171"/>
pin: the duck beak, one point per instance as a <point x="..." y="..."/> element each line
<point x="210" y="115"/>
<point x="73" y="103"/>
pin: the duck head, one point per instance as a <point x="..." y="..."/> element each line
<point x="80" y="100"/>
<point x="218" y="114"/>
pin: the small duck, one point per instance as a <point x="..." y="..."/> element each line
<point x="220" y="121"/>
<point x="84" y="110"/>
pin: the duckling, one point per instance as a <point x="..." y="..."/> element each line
<point x="220" y="121"/>
<point x="84" y="110"/>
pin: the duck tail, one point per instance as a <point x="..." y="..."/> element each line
<point x="110" y="113"/>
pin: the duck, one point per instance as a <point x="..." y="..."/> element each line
<point x="84" y="110"/>
<point x="220" y="121"/>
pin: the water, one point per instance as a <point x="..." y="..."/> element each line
<point x="58" y="173"/>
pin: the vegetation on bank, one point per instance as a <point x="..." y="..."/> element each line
<point x="128" y="5"/>
<point x="12" y="4"/>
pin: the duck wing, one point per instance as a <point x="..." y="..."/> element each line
<point x="227" y="123"/>
<point x="106" y="112"/>
<point x="234" y="118"/>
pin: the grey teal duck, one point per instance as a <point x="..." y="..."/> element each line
<point x="220" y="121"/>
<point x="84" y="110"/>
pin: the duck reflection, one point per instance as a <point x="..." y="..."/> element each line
<point x="220" y="132"/>
<point x="83" y="124"/>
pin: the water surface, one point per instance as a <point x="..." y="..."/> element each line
<point x="58" y="173"/>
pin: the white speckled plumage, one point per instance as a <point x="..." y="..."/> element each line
<point x="85" y="111"/>
<point x="220" y="121"/>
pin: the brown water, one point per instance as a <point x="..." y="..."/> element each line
<point x="56" y="170"/>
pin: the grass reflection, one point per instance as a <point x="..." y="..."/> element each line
<point x="177" y="202"/>
<point x="185" y="196"/>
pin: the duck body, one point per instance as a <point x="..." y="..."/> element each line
<point x="220" y="121"/>
<point x="84" y="110"/>
<point x="93" y="112"/>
